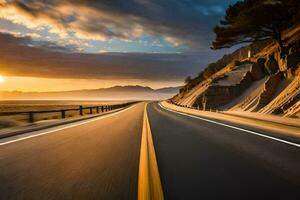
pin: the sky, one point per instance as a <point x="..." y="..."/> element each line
<point x="56" y="45"/>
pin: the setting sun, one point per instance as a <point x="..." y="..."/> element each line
<point x="149" y="99"/>
<point x="2" y="80"/>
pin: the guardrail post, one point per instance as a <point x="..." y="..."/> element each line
<point x="105" y="108"/>
<point x="63" y="114"/>
<point x="91" y="110"/>
<point x="97" y="109"/>
<point x="80" y="110"/>
<point x="30" y="117"/>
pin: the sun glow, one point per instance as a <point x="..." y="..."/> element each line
<point x="2" y="80"/>
<point x="37" y="84"/>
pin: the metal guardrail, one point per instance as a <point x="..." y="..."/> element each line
<point x="81" y="109"/>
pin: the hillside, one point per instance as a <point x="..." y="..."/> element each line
<point x="258" y="80"/>
<point x="113" y="93"/>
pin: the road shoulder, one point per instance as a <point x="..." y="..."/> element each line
<point x="41" y="125"/>
<point x="283" y="131"/>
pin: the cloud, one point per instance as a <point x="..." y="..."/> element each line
<point x="20" y="34"/>
<point x="186" y="22"/>
<point x="210" y="10"/>
<point x="21" y="56"/>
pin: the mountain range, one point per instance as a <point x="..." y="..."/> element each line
<point x="130" y="92"/>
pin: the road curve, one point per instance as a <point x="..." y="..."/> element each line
<point x="96" y="160"/>
<point x="202" y="160"/>
<point x="99" y="159"/>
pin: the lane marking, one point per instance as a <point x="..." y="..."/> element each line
<point x="149" y="184"/>
<point x="66" y="127"/>
<point x="233" y="127"/>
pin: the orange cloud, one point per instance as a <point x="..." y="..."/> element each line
<point x="179" y="22"/>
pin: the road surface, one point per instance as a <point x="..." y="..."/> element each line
<point x="203" y="160"/>
<point x="196" y="159"/>
<point x="96" y="160"/>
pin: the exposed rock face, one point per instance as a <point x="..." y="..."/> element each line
<point x="272" y="65"/>
<point x="281" y="61"/>
<point x="271" y="85"/>
<point x="287" y="101"/>
<point x="290" y="62"/>
<point x="270" y="88"/>
<point x="257" y="69"/>
<point x="220" y="95"/>
<point x="293" y="110"/>
<point x="293" y="60"/>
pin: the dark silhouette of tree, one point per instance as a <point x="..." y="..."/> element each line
<point x="256" y="20"/>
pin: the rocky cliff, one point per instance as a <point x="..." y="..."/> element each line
<point x="260" y="78"/>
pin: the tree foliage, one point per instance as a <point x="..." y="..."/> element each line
<point x="256" y="20"/>
<point x="188" y="79"/>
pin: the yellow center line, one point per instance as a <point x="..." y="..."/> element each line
<point x="149" y="184"/>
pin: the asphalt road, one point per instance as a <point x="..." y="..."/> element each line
<point x="96" y="160"/>
<point x="196" y="160"/>
<point x="202" y="160"/>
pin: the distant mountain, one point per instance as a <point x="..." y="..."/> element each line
<point x="169" y="90"/>
<point x="129" y="92"/>
<point x="128" y="88"/>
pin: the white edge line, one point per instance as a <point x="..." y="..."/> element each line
<point x="66" y="127"/>
<point x="233" y="127"/>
